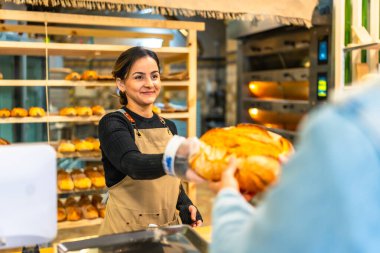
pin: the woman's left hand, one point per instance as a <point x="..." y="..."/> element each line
<point x="193" y="214"/>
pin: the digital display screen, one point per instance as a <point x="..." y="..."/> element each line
<point x="323" y="51"/>
<point x="322" y="86"/>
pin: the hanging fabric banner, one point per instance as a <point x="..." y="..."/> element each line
<point x="297" y="12"/>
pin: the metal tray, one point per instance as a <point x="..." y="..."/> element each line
<point x="180" y="238"/>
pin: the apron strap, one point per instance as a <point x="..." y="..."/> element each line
<point x="133" y="122"/>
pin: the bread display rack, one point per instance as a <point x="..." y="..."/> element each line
<point x="47" y="24"/>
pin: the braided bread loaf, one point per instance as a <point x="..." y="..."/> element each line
<point x="256" y="149"/>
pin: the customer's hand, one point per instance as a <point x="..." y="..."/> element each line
<point x="193" y="214"/>
<point x="228" y="180"/>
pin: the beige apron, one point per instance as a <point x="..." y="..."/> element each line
<point x="134" y="204"/>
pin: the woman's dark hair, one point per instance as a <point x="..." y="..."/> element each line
<point x="125" y="62"/>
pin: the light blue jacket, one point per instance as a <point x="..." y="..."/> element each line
<point x="328" y="197"/>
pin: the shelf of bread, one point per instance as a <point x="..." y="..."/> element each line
<point x="77" y="154"/>
<point x="68" y="83"/>
<point x="85" y="50"/>
<point x="80" y="223"/>
<point x="54" y="118"/>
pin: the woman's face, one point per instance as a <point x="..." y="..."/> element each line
<point x="143" y="84"/>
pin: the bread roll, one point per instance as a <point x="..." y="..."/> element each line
<point x="88" y="210"/>
<point x="4" y="142"/>
<point x="89" y="75"/>
<point x="97" y="179"/>
<point x="36" y="112"/>
<point x="5" y="113"/>
<point x="98" y="110"/>
<point x="66" y="147"/>
<point x="95" y="142"/>
<point x="19" y="112"/>
<point x="64" y="181"/>
<point x="83" y="111"/>
<point x="73" y="211"/>
<point x="97" y="201"/>
<point x="61" y="212"/>
<point x="257" y="151"/>
<point x="73" y="76"/>
<point x="68" y="111"/>
<point x="84" y="146"/>
<point x="81" y="181"/>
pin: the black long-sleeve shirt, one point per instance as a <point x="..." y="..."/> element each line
<point x="121" y="156"/>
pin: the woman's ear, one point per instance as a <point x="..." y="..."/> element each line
<point x="120" y="84"/>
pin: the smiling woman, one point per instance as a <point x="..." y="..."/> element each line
<point x="132" y="141"/>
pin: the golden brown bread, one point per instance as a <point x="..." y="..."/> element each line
<point x="61" y="211"/>
<point x="95" y="142"/>
<point x="36" y="112"/>
<point x="68" y="111"/>
<point x="83" y="111"/>
<point x="4" y="142"/>
<point x="19" y="112"/>
<point x="89" y="75"/>
<point x="88" y="210"/>
<point x="66" y="147"/>
<point x="5" y="113"/>
<point x="97" y="201"/>
<point x="81" y="181"/>
<point x="83" y="146"/>
<point x="73" y="212"/>
<point x="64" y="181"/>
<point x="98" y="110"/>
<point x="73" y="76"/>
<point x="97" y="179"/>
<point x="257" y="151"/>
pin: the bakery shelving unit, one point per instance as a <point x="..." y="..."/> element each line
<point x="273" y="75"/>
<point x="82" y="25"/>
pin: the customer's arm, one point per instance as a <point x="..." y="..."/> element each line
<point x="312" y="207"/>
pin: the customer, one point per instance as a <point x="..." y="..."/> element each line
<point x="132" y="141"/>
<point x="327" y="199"/>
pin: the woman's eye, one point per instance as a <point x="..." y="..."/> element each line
<point x="138" y="77"/>
<point x="155" y="77"/>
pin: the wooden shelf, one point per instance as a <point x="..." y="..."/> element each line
<point x="66" y="83"/>
<point x="85" y="50"/>
<point x="371" y="45"/>
<point x="84" y="155"/>
<point x="79" y="223"/>
<point x="65" y="194"/>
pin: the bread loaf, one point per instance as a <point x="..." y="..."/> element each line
<point x="98" y="110"/>
<point x="88" y="210"/>
<point x="73" y="76"/>
<point x="4" y="142"/>
<point x="66" y="147"/>
<point x="89" y="75"/>
<point x="61" y="212"/>
<point x="36" y="112"/>
<point x="97" y="201"/>
<point x="257" y="150"/>
<point x="83" y="111"/>
<point x="19" y="112"/>
<point x="73" y="211"/>
<point x="64" y="181"/>
<point x="68" y="111"/>
<point x="5" y="113"/>
<point x="80" y="179"/>
<point x="97" y="179"/>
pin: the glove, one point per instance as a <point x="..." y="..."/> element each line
<point x="178" y="152"/>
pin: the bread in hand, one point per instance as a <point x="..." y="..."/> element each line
<point x="257" y="151"/>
